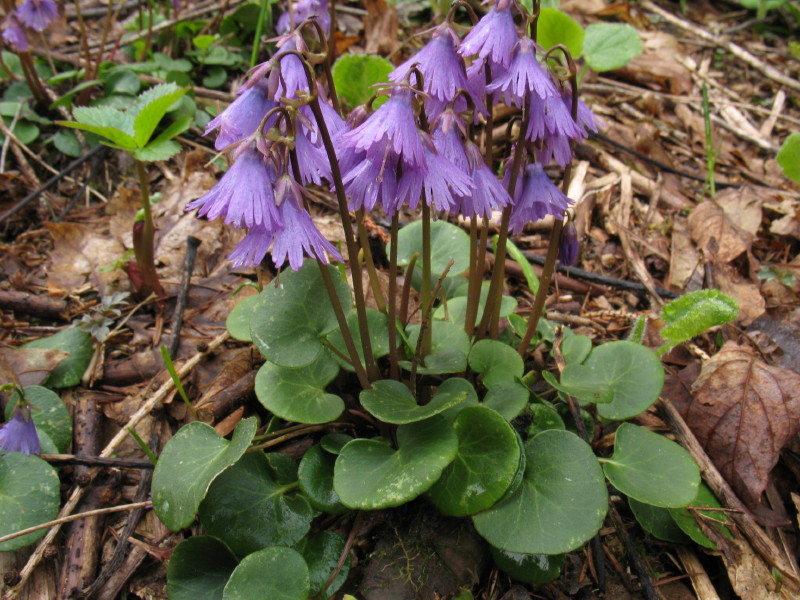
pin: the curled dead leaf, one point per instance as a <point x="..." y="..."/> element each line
<point x="743" y="412"/>
<point x="731" y="220"/>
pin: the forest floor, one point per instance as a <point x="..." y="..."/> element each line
<point x="650" y="230"/>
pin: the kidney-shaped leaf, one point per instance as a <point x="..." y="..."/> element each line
<point x="487" y="460"/>
<point x="530" y="568"/>
<point x="370" y="474"/>
<point x="292" y="318"/>
<point x="652" y="469"/>
<point x="560" y="504"/>
<point x="322" y="553"/>
<point x="274" y="573"/>
<point x="448" y="242"/>
<point x="190" y="461"/>
<point x="29" y="495"/>
<point x="315" y="476"/>
<point x="657" y="521"/>
<point x="238" y="321"/>
<point x="496" y="362"/>
<point x="392" y="402"/>
<point x="609" y="46"/>
<point x="199" y="568"/>
<point x="556" y="27"/>
<point x="686" y="519"/>
<point x="623" y="378"/>
<point x="299" y="394"/>
<point x="248" y="510"/>
<point x="378" y="327"/>
<point x="70" y="370"/>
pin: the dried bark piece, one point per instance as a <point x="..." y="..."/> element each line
<point x="744" y="412"/>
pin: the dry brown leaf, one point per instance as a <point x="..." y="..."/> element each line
<point x="743" y="413"/>
<point x="685" y="268"/>
<point x="31" y="366"/>
<point x="751" y="302"/>
<point x="78" y="255"/>
<point x="731" y="220"/>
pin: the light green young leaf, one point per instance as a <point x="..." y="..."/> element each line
<point x="609" y="46"/>
<point x="555" y="27"/>
<point x="151" y="106"/>
<point x="354" y="74"/>
<point x="154" y="152"/>
<point x="789" y="157"/>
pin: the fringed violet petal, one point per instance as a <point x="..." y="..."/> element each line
<point x="555" y="147"/>
<point x="37" y="14"/>
<point x="492" y="39"/>
<point x="253" y="247"/>
<point x="392" y="126"/>
<point x="242" y="117"/>
<point x="19" y="434"/>
<point x="312" y="160"/>
<point x="524" y="76"/>
<point x="14" y="34"/>
<point x="302" y="11"/>
<point x="441" y="67"/>
<point x="243" y="197"/>
<point x="299" y="236"/>
<point x="368" y="181"/>
<point x="537" y="198"/>
<point x="445" y="183"/>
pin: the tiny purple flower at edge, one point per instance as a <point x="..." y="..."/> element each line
<point x="19" y="434"/>
<point x="37" y="14"/>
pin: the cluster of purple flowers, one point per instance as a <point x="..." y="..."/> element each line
<point x="32" y="14"/>
<point x="387" y="158"/>
<point x="19" y="434"/>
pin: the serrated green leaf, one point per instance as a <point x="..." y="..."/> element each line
<point x="110" y="123"/>
<point x="151" y="106"/>
<point x="154" y="152"/>
<point x="695" y="313"/>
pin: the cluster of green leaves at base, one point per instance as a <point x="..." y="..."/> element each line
<point x="29" y="486"/>
<point x="534" y="492"/>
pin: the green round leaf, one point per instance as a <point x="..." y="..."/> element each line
<point x="248" y="510"/>
<point x="29" y="495"/>
<point x="528" y="568"/>
<point x="274" y="573"/>
<point x="623" y="378"/>
<point x="575" y="348"/>
<point x="199" y="568"/>
<point x="238" y="321"/>
<point x="657" y="521"/>
<point x="453" y="385"/>
<point x="487" y="460"/>
<point x="455" y="311"/>
<point x="695" y="313"/>
<point x="370" y="474"/>
<point x="217" y="76"/>
<point x="496" y="362"/>
<point x="543" y="418"/>
<point x="391" y="402"/>
<point x="448" y="242"/>
<point x="555" y="27"/>
<point x="25" y="131"/>
<point x="322" y="553"/>
<point x="354" y="75"/>
<point x="49" y="413"/>
<point x="190" y="461"/>
<point x="378" y="327"/>
<point x="70" y="370"/>
<point x="687" y="521"/>
<point x="122" y="81"/>
<point x="293" y="316"/>
<point x="789" y="157"/>
<point x="509" y="398"/>
<point x="449" y="348"/>
<point x="334" y="442"/>
<point x="652" y="469"/>
<point x="316" y="480"/>
<point x="560" y="504"/>
<point x="609" y="46"/>
<point x="299" y="394"/>
<point x="67" y="143"/>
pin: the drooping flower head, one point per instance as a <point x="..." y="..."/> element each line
<point x="14" y="33"/>
<point x="442" y="69"/>
<point x="491" y="40"/>
<point x="244" y="196"/>
<point x="535" y="198"/>
<point x="37" y="14"/>
<point x="302" y="11"/>
<point x="19" y="434"/>
<point x="242" y="117"/>
<point x="568" y="246"/>
<point x="525" y="76"/>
